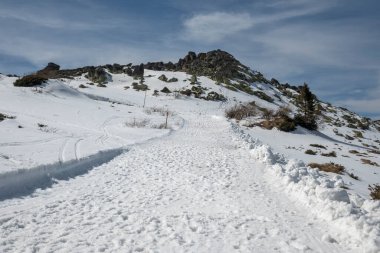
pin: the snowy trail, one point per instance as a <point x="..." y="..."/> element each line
<point x="193" y="191"/>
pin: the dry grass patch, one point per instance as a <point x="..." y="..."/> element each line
<point x="367" y="161"/>
<point x="374" y="151"/>
<point x="330" y="154"/>
<point x="328" y="167"/>
<point x="242" y="111"/>
<point x="374" y="191"/>
<point x="310" y="152"/>
<point x="318" y="146"/>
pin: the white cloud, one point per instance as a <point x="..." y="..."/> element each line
<point x="216" y="26"/>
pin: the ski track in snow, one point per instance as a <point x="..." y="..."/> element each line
<point x="193" y="191"/>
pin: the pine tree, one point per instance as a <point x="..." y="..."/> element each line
<point x="307" y="108"/>
<point x="194" y="79"/>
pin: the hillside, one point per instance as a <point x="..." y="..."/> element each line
<point x="171" y="117"/>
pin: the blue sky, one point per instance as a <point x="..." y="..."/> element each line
<point x="333" y="45"/>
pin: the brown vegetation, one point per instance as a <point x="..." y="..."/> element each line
<point x="374" y="191"/>
<point x="328" y="167"/>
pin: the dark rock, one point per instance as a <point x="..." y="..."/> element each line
<point x="128" y="71"/>
<point x="52" y="67"/>
<point x="186" y="92"/>
<point x="173" y="80"/>
<point x="50" y="71"/>
<point x="163" y="78"/>
<point x="98" y="75"/>
<point x="166" y="90"/>
<point x="214" y="96"/>
<point x="115" y="68"/>
<point x="138" y="70"/>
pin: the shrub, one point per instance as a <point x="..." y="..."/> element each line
<point x="302" y="121"/>
<point x="358" y="134"/>
<point x="137" y="123"/>
<point x="263" y="96"/>
<point x="267" y="113"/>
<point x="374" y="191"/>
<point x="310" y="152"/>
<point x="193" y="79"/>
<point x="186" y="92"/>
<point x="3" y="117"/>
<point x="284" y="123"/>
<point x="214" y="96"/>
<point x="231" y="88"/>
<point x="241" y="111"/>
<point x="243" y="87"/>
<point x="352" y="175"/>
<point x="374" y="151"/>
<point x="29" y="81"/>
<point x="280" y="120"/>
<point x="318" y="146"/>
<point x="101" y="85"/>
<point x="161" y="110"/>
<point x="140" y="87"/>
<point x="328" y="167"/>
<point x="330" y="154"/>
<point x="367" y="161"/>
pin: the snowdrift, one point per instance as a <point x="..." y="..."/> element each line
<point x="356" y="218"/>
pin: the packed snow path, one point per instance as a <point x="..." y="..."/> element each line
<point x="193" y="191"/>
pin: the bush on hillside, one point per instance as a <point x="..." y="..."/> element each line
<point x="280" y="120"/>
<point x="4" y="116"/>
<point x="29" y="81"/>
<point x="328" y="167"/>
<point x="263" y="96"/>
<point x="241" y="111"/>
<point x="330" y="154"/>
<point x="140" y="87"/>
<point x="310" y="152"/>
<point x="374" y="191"/>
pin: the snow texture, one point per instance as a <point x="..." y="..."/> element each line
<point x="357" y="219"/>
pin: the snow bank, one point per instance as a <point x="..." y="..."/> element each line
<point x="25" y="181"/>
<point x="357" y="219"/>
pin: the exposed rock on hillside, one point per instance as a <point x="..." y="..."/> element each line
<point x="98" y="75"/>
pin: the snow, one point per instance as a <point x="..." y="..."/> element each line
<point x="294" y="145"/>
<point x="76" y="126"/>
<point x="92" y="181"/>
<point x="196" y="190"/>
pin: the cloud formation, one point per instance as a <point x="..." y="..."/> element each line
<point x="330" y="44"/>
<point x="216" y="26"/>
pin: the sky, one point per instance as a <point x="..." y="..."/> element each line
<point x="333" y="45"/>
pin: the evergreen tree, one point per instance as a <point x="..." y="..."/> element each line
<point x="306" y="116"/>
<point x="194" y="79"/>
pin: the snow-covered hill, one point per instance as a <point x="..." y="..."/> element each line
<point x="80" y="119"/>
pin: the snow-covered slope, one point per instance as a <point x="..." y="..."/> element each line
<point x="172" y="173"/>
